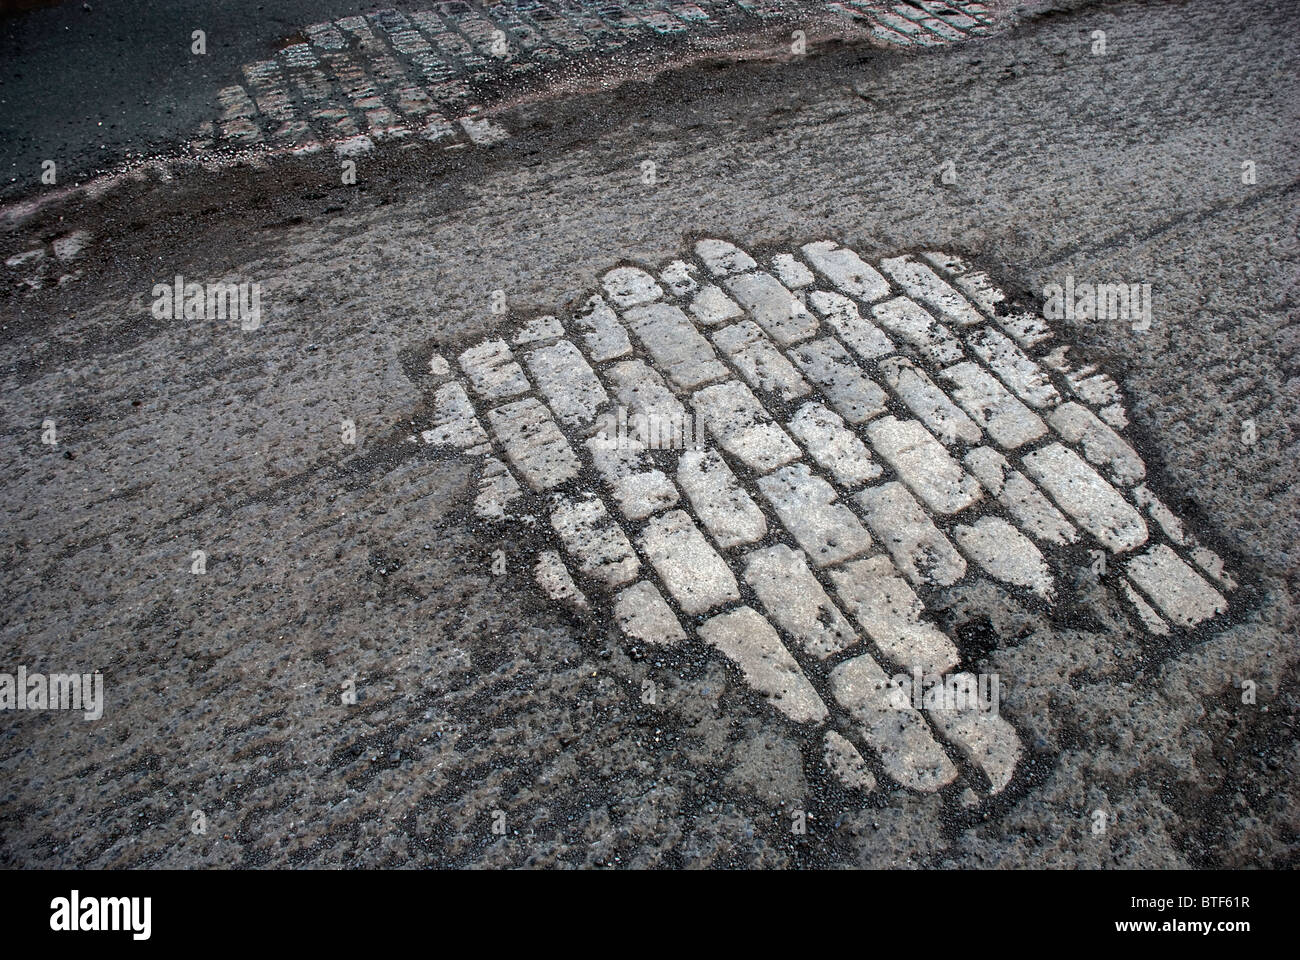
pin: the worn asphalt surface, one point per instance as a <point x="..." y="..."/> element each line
<point x="330" y="563"/>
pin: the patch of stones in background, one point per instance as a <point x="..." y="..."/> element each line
<point x="872" y="436"/>
<point x="50" y="264"/>
<point x="363" y="79"/>
<point x="426" y="77"/>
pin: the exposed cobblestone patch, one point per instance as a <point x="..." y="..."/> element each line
<point x="424" y="75"/>
<point x="837" y="487"/>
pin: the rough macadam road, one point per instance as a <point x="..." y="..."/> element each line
<point x="388" y="659"/>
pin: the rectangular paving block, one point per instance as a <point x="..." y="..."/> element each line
<point x="1082" y="493"/>
<point x="537" y="330"/>
<point x="1027" y="329"/>
<point x="637" y="486"/>
<point x="694" y="574"/>
<point x="1009" y="422"/>
<point x="1101" y="445"/>
<point x="455" y="423"/>
<point x="841" y="757"/>
<point x="711" y="306"/>
<point x="920" y="550"/>
<point x="679" y="277"/>
<point x="910" y="323"/>
<point x="827" y="530"/>
<point x="678" y="349"/>
<point x="753" y="644"/>
<point x="555" y="580"/>
<point x="533" y="443"/>
<point x="947" y="262"/>
<point x="851" y="392"/>
<point x="981" y="291"/>
<point x="791" y="272"/>
<point x="1026" y="504"/>
<point x="777" y="310"/>
<point x="602" y="335"/>
<point x="796" y="602"/>
<point x="496" y="490"/>
<point x="844" y="318"/>
<point x="1005" y="554"/>
<point x="920" y="394"/>
<point x="1093" y="388"/>
<point x="940" y="27"/>
<point x="644" y="615"/>
<point x="1162" y="515"/>
<point x="1211" y="563"/>
<point x="763" y="366"/>
<point x="1153" y="622"/>
<point x="891" y="614"/>
<point x="892" y="728"/>
<point x="734" y="417"/>
<point x="923" y="464"/>
<point x="894" y="22"/>
<point x="1013" y="367"/>
<point x="985" y="738"/>
<point x="924" y="285"/>
<point x="567" y="381"/>
<point x="492" y="370"/>
<point x="836" y="449"/>
<point x="723" y="258"/>
<point x="630" y="287"/>
<point x="1174" y="586"/>
<point x="844" y="268"/>
<point x="595" y="541"/>
<point x="725" y="509"/>
<point x="644" y="396"/>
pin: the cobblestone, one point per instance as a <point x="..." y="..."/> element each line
<point x="911" y="324"/>
<point x="718" y="512"/>
<point x="907" y="749"/>
<point x="796" y="602"/>
<point x="603" y="335"/>
<point x="726" y="510"/>
<point x="779" y="312"/>
<point x="643" y="615"/>
<point x="1009" y="422"/>
<point x="595" y="541"/>
<point x="827" y="530"/>
<point x="851" y="392"/>
<point x="692" y="571"/>
<point x="834" y="447"/>
<point x="568" y="383"/>
<point x="1005" y="553"/>
<point x="919" y="548"/>
<point x="892" y="615"/>
<point x="843" y="316"/>
<point x="944" y="419"/>
<point x="492" y="371"/>
<point x="1174" y="586"/>
<point x="1097" y="506"/>
<point x="762" y="365"/>
<point x="844" y="268"/>
<point x="743" y="427"/>
<point x="1019" y="497"/>
<point x="533" y="443"/>
<point x="922" y="284"/>
<point x="923" y="464"/>
<point x="679" y="350"/>
<point x="752" y="643"/>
